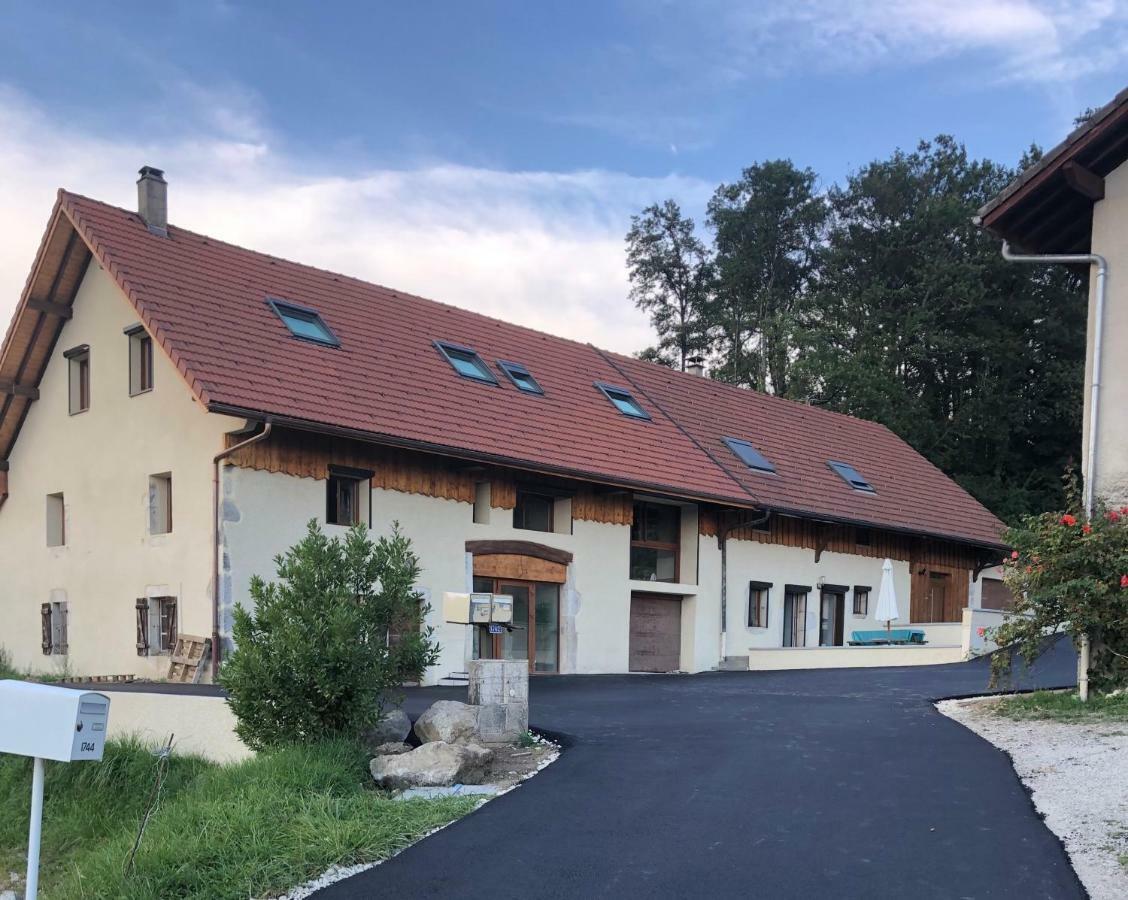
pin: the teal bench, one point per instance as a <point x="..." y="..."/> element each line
<point x="894" y="636"/>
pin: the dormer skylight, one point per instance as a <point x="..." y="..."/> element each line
<point x="622" y="400"/>
<point x="850" y="475"/>
<point x="304" y="323"/>
<point x="520" y="376"/>
<point x="465" y="361"/>
<point x="749" y="455"/>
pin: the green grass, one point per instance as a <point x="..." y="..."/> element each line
<point x="6" y="669"/>
<point x="1065" y="706"/>
<point x="247" y="829"/>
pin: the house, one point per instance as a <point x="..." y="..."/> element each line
<point x="175" y="409"/>
<point x="1074" y="201"/>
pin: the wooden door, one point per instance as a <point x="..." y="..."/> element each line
<point x="655" y="633"/>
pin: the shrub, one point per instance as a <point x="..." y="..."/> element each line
<point x="1069" y="573"/>
<point x="326" y="644"/>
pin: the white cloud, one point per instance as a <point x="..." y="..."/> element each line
<point x="544" y="249"/>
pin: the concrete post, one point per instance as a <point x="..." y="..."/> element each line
<point x="500" y="690"/>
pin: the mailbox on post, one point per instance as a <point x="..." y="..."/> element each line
<point x="48" y="722"/>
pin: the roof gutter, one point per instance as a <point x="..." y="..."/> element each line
<point x="1091" y="259"/>
<point x="217" y="462"/>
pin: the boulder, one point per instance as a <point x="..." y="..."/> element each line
<point x="391" y="749"/>
<point x="393" y="728"/>
<point x="433" y="764"/>
<point x="448" y="721"/>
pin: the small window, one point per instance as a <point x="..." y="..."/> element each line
<point x="346" y="501"/>
<point x="304" y="323"/>
<point x="623" y="401"/>
<point x="655" y="542"/>
<point x="78" y="363"/>
<point x="160" y="503"/>
<point x="749" y="455"/>
<point x="533" y="511"/>
<point x="156" y="625"/>
<point x="861" y="600"/>
<point x="56" y="521"/>
<point x="53" y="618"/>
<point x="850" y="475"/>
<point x="863" y="537"/>
<point x="758" y="603"/>
<point x="140" y="361"/>
<point x="520" y="376"/>
<point x="466" y="362"/>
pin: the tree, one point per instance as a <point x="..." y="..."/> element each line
<point x="326" y="643"/>
<point x="768" y="227"/>
<point x="671" y="277"/>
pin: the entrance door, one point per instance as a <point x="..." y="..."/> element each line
<point x="655" y="633"/>
<point x="536" y="619"/>
<point x="831" y="619"/>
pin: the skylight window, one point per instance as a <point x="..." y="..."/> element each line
<point x="466" y="362"/>
<point x="623" y="401"/>
<point x="304" y="323"/>
<point x="850" y="475"/>
<point x="520" y="376"/>
<point x="749" y="455"/>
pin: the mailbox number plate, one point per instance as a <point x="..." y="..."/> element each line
<point x="495" y="628"/>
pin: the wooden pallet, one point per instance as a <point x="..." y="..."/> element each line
<point x="189" y="658"/>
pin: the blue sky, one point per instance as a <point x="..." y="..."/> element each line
<point x="490" y="154"/>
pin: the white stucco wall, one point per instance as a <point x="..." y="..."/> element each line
<point x="1110" y="239"/>
<point x="101" y="461"/>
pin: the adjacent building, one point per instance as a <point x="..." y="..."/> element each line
<point x="175" y="409"/>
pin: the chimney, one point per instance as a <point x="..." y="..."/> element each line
<point x="695" y="365"/>
<point x="152" y="200"/>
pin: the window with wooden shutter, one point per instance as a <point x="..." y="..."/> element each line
<point x="166" y="608"/>
<point x="142" y="626"/>
<point x="59" y="624"/>
<point x="45" y="622"/>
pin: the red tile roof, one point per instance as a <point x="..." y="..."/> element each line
<point x="205" y="301"/>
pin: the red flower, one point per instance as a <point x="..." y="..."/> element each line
<point x="1113" y="516"/>
<point x="1014" y="554"/>
<point x="1067" y="519"/>
<point x="1124" y="581"/>
<point x="1086" y="529"/>
<point x="981" y="631"/>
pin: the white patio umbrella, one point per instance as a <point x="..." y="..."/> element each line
<point x="887" y="611"/>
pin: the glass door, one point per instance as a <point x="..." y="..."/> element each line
<point x="515" y="643"/>
<point x="536" y="624"/>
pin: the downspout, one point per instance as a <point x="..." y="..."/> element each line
<point x="722" y="542"/>
<point x="1091" y="259"/>
<point x="216" y="463"/>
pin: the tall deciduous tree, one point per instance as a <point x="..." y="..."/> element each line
<point x="768" y="226"/>
<point x="671" y="277"/>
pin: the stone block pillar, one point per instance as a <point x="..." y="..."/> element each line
<point x="500" y="690"/>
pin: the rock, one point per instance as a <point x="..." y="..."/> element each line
<point x="394" y="748"/>
<point x="393" y="728"/>
<point x="434" y="764"/>
<point x="449" y="721"/>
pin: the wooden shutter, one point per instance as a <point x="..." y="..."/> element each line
<point x="45" y="623"/>
<point x="60" y="643"/>
<point x="168" y="623"/>
<point x="142" y="626"/>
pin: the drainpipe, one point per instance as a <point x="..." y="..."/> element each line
<point x="722" y="542"/>
<point x="216" y="463"/>
<point x="1092" y="259"/>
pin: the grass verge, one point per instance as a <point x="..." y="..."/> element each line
<point x="1064" y="706"/>
<point x="243" y="830"/>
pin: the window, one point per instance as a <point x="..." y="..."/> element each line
<point x="861" y="599"/>
<point x="850" y="475"/>
<point x="749" y="455"/>
<point x="56" y="521"/>
<point x="533" y="511"/>
<point x="863" y="537"/>
<point x="520" y="376"/>
<point x="53" y="619"/>
<point x="156" y="625"/>
<point x="623" y="401"/>
<point x="78" y="363"/>
<point x="304" y="323"/>
<point x="758" y="603"/>
<point x="655" y="542"/>
<point x="160" y="503"/>
<point x="140" y="361"/>
<point x="466" y="362"/>
<point x="346" y="503"/>
<point x="996" y="595"/>
<point x="795" y="615"/>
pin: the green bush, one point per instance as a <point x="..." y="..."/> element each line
<point x="325" y="645"/>
<point x="1070" y="574"/>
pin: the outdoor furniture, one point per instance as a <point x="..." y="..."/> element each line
<point x="880" y="637"/>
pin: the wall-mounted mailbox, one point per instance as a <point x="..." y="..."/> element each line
<point x="481" y="606"/>
<point x="456" y="608"/>
<point x="52" y="722"/>
<point x="502" y="608"/>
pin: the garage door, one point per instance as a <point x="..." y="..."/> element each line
<point x="655" y="644"/>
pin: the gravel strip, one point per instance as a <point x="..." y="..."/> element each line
<point x="1077" y="774"/>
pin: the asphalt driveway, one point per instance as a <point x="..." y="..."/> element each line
<point x="834" y="783"/>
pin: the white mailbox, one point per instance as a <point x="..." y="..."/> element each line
<point x="481" y="606"/>
<point x="456" y="608"/>
<point x="51" y="722"/>
<point x="502" y="609"/>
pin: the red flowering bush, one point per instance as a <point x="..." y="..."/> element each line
<point x="1070" y="575"/>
